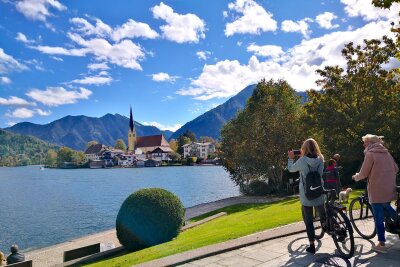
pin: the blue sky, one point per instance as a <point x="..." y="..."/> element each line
<point x="170" y="60"/>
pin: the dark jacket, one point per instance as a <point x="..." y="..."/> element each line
<point x="15" y="257"/>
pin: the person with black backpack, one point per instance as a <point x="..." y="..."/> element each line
<point x="310" y="166"/>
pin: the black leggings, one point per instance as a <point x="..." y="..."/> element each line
<point x="307" y="212"/>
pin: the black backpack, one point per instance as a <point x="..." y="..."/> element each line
<point x="312" y="184"/>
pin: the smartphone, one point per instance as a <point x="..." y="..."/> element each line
<point x="297" y="152"/>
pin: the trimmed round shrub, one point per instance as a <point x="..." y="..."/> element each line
<point x="149" y="217"/>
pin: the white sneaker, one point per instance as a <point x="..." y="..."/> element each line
<point x="379" y="248"/>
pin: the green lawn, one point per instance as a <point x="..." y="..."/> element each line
<point x="242" y="220"/>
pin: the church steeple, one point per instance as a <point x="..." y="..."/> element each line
<point x="131" y="133"/>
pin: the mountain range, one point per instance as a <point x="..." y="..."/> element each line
<point x="76" y="131"/>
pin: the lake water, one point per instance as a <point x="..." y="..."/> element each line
<point x="42" y="208"/>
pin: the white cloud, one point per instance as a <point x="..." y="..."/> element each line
<point x="14" y="101"/>
<point x="58" y="59"/>
<point x="56" y="96"/>
<point x="98" y="66"/>
<point x="297" y="65"/>
<point x="11" y="123"/>
<point x="368" y="12"/>
<point x="8" y="63"/>
<point x="54" y="50"/>
<point x="204" y="55"/>
<point x="167" y="98"/>
<point x="300" y="26"/>
<point x="254" y="20"/>
<point x="22" y="113"/>
<point x="100" y="79"/>
<point x="179" y="28"/>
<point x="38" y="9"/>
<point x="22" y="38"/>
<point x="5" y="80"/>
<point x="133" y="29"/>
<point x="162" y="127"/>
<point x="272" y="51"/>
<point x="86" y="28"/>
<point x="43" y="112"/>
<point x="163" y="77"/>
<point x="324" y="20"/>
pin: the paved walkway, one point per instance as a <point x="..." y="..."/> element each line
<point x="290" y="251"/>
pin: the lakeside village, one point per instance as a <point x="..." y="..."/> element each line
<point x="145" y="151"/>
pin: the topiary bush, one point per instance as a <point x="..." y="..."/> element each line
<point x="149" y="217"/>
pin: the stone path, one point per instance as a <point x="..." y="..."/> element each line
<point x="290" y="251"/>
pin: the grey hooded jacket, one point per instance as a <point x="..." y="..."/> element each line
<point x="301" y="165"/>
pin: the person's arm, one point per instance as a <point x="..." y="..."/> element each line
<point x="292" y="166"/>
<point x="365" y="168"/>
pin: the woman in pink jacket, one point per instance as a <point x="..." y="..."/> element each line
<point x="381" y="169"/>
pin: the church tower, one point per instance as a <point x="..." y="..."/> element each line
<point x="131" y="134"/>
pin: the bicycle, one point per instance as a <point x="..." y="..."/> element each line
<point x="361" y="215"/>
<point x="337" y="225"/>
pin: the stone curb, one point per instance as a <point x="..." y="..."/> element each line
<point x="207" y="251"/>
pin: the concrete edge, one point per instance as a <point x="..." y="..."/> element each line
<point x="211" y="250"/>
<point x="207" y="219"/>
<point x="94" y="257"/>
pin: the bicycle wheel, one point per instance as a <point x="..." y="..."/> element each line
<point x="342" y="234"/>
<point x="319" y="232"/>
<point x="362" y="219"/>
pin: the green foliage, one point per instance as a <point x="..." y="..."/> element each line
<point x="256" y="188"/>
<point x="51" y="158"/>
<point x="183" y="140"/>
<point x="18" y="150"/>
<point x="89" y="144"/>
<point x="173" y="144"/>
<point x="206" y="139"/>
<point x="120" y="144"/>
<point x="191" y="135"/>
<point x="384" y="3"/>
<point x="363" y="99"/>
<point x="149" y="217"/>
<point x="191" y="160"/>
<point x="69" y="157"/>
<point x="254" y="144"/>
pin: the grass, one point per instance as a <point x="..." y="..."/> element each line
<point x="242" y="220"/>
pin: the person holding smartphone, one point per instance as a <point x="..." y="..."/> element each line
<point x="310" y="158"/>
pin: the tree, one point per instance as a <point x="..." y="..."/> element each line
<point x="51" y="158"/>
<point x="78" y="157"/>
<point x="173" y="144"/>
<point x="65" y="154"/>
<point x="255" y="143"/>
<point x="206" y="139"/>
<point x="191" y="135"/>
<point x="183" y="140"/>
<point x="384" y="3"/>
<point x="120" y="144"/>
<point x="362" y="99"/>
<point x="90" y="143"/>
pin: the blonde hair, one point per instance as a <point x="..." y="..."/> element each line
<point x="2" y="258"/>
<point x="372" y="138"/>
<point x="310" y="146"/>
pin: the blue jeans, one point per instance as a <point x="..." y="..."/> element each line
<point x="380" y="211"/>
